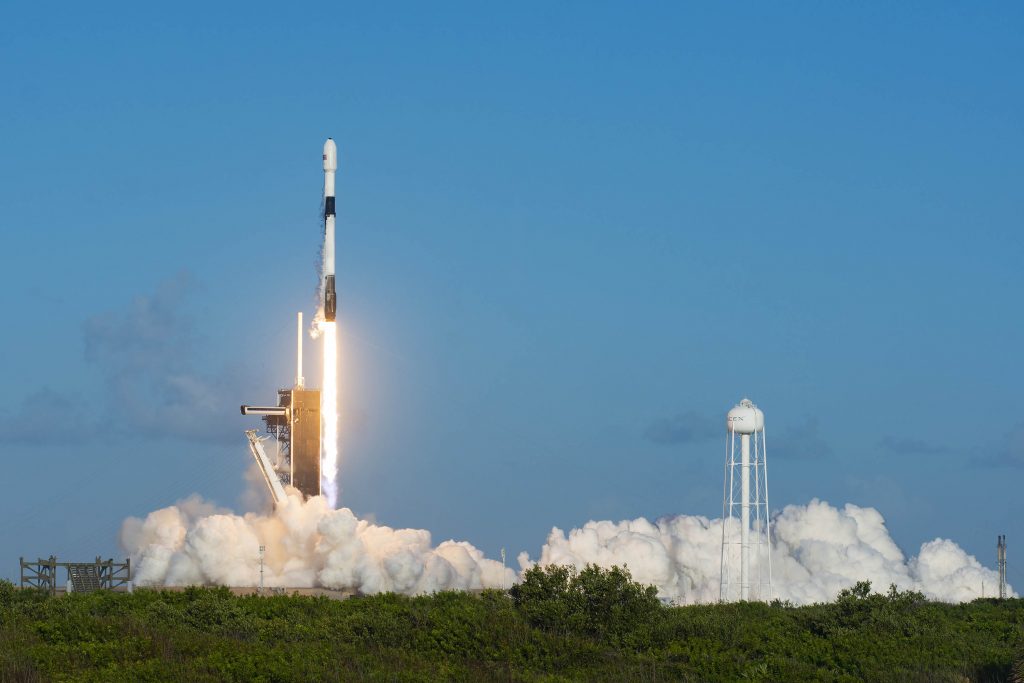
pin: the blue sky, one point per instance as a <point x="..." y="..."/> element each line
<point x="571" y="236"/>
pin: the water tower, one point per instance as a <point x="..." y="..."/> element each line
<point x="746" y="546"/>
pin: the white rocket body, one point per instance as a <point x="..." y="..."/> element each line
<point x="330" y="167"/>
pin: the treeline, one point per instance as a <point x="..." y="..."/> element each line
<point x="558" y="625"/>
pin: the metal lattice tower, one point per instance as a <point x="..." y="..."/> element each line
<point x="746" y="527"/>
<point x="83" y="577"/>
<point x="1001" y="562"/>
<point x="295" y="425"/>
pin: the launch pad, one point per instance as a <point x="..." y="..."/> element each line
<point x="305" y="440"/>
<point x="294" y="424"/>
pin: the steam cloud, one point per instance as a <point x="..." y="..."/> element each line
<point x="817" y="551"/>
<point x="307" y="544"/>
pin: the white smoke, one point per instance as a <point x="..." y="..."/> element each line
<point x="307" y="544"/>
<point x="817" y="550"/>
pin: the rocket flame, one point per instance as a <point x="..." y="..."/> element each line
<point x="329" y="415"/>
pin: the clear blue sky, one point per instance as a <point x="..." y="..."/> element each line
<point x="571" y="236"/>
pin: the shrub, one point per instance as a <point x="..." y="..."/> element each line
<point x="605" y="604"/>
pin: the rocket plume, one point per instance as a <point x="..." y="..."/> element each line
<point x="329" y="416"/>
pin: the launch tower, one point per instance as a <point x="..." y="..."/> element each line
<point x="294" y="423"/>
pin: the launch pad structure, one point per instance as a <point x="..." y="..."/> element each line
<point x="294" y="424"/>
<point x="83" y="577"/>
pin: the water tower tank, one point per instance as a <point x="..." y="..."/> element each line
<point x="745" y="418"/>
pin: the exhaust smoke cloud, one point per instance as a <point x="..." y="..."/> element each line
<point x="307" y="544"/>
<point x="817" y="550"/>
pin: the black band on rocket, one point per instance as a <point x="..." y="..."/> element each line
<point x="328" y="206"/>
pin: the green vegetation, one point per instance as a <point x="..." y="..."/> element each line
<point x="558" y="625"/>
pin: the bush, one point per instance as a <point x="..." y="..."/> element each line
<point x="558" y="625"/>
<point x="7" y="590"/>
<point x="605" y="604"/>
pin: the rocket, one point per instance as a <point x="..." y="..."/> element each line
<point x="330" y="166"/>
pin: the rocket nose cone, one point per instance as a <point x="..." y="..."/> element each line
<point x="330" y="156"/>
